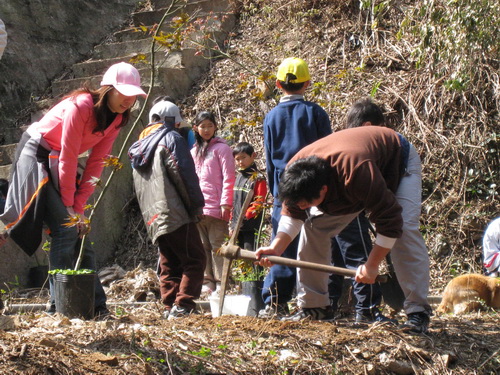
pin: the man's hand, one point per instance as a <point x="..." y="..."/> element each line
<point x="277" y="247"/>
<point x="366" y="274"/>
<point x="262" y="252"/>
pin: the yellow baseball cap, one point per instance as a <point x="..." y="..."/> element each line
<point x="296" y="67"/>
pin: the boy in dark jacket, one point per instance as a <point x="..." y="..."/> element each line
<point x="288" y="127"/>
<point x="248" y="178"/>
<point x="170" y="198"/>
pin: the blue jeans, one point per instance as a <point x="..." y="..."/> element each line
<point x="65" y="245"/>
<point x="281" y="280"/>
<point x="350" y="249"/>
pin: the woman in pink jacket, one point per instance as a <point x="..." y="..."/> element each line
<point x="214" y="163"/>
<point x="45" y="188"/>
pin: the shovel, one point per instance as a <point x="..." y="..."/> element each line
<point x="392" y="293"/>
<point x="391" y="290"/>
<point x="231" y="251"/>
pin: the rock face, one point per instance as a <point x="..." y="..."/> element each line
<point x="44" y="38"/>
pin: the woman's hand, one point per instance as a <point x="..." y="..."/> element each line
<point x="225" y="212"/>
<point x="82" y="225"/>
<point x="3" y="238"/>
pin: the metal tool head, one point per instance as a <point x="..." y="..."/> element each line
<point x="230" y="251"/>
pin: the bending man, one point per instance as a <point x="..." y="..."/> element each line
<point x="328" y="183"/>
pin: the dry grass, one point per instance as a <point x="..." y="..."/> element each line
<point x="353" y="53"/>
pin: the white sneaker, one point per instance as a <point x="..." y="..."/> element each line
<point x="207" y="288"/>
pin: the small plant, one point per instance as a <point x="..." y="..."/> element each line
<point x="46" y="246"/>
<point x="46" y="250"/>
<point x="252" y="344"/>
<point x="3" y="296"/>
<point x="12" y="286"/>
<point x="120" y="312"/>
<point x="82" y="271"/>
<point x="272" y="353"/>
<point x="245" y="270"/>
<point x="203" y="352"/>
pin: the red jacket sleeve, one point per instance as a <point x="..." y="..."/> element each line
<point x="260" y="192"/>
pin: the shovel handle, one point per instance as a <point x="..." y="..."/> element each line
<point x="250" y="255"/>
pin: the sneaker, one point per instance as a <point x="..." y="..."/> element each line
<point x="179" y="312"/>
<point x="274" y="311"/>
<point x="376" y="317"/>
<point x="324" y="314"/>
<point x="166" y="312"/>
<point x="417" y="323"/>
<point x="51" y="309"/>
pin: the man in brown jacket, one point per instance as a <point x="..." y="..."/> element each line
<point x="327" y="184"/>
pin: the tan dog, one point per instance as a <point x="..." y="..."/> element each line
<point x="468" y="293"/>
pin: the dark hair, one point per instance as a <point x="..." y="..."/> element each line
<point x="291" y="87"/>
<point x="4" y="187"/>
<point x="303" y="180"/>
<point x="243" y="147"/>
<point x="200" y="117"/>
<point x="103" y="114"/>
<point x="362" y="111"/>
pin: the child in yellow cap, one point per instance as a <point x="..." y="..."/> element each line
<point x="291" y="125"/>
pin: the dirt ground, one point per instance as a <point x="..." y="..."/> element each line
<point x="136" y="340"/>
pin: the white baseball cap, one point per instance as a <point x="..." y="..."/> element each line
<point x="164" y="109"/>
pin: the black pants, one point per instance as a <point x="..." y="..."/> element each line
<point x="351" y="249"/>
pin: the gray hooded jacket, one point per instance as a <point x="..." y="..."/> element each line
<point x="165" y="180"/>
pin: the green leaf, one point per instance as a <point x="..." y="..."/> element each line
<point x="82" y="271"/>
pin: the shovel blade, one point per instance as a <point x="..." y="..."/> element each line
<point x="392" y="293"/>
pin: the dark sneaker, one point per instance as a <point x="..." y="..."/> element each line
<point x="324" y="314"/>
<point x="274" y="311"/>
<point x="376" y="317"/>
<point x="180" y="312"/>
<point x="417" y="323"/>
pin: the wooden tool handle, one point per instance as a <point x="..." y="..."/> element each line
<point x="250" y="255"/>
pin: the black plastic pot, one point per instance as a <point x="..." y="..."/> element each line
<point x="75" y="295"/>
<point x="38" y="277"/>
<point x="253" y="289"/>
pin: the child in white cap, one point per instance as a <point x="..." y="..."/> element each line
<point x="164" y="105"/>
<point x="171" y="201"/>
